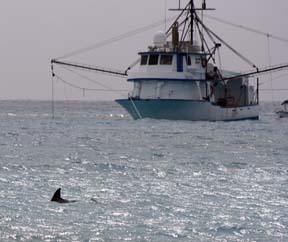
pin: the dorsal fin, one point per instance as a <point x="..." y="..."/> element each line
<point x="57" y="195"/>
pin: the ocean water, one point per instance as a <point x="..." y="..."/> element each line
<point x="146" y="180"/>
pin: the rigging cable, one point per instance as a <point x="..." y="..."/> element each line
<point x="277" y="89"/>
<point x="269" y="61"/>
<point x="115" y="39"/>
<point x="274" y="78"/>
<point x="52" y="91"/>
<point x="132" y="65"/>
<point x="84" y="88"/>
<point x="219" y="59"/>
<point x="259" y="72"/>
<point x="134" y="106"/>
<point x="205" y="42"/>
<point x="165" y="16"/>
<point x="179" y="16"/>
<point x="107" y="88"/>
<point x="225" y="43"/>
<point x="201" y="33"/>
<point x="247" y="28"/>
<point x="269" y="37"/>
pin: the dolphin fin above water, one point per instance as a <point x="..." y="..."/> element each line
<point x="57" y="197"/>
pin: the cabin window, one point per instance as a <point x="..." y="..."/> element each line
<point x="166" y="59"/>
<point x="188" y="60"/>
<point x="144" y="59"/>
<point x="198" y="60"/>
<point x="153" y="60"/>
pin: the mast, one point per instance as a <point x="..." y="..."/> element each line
<point x="189" y="13"/>
<point x="192" y="10"/>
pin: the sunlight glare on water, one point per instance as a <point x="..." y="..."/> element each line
<point x="146" y="180"/>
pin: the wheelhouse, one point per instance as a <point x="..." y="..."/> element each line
<point x="175" y="61"/>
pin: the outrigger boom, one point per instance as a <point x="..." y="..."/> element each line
<point x="89" y="68"/>
<point x="258" y="72"/>
<point x="124" y="73"/>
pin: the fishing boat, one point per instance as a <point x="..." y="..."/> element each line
<point x="178" y="78"/>
<point x="283" y="113"/>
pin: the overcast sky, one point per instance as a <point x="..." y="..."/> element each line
<point x="34" y="31"/>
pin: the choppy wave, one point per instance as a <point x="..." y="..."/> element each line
<point x="146" y="180"/>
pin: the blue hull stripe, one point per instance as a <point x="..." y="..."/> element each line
<point x="166" y="79"/>
<point x="193" y="110"/>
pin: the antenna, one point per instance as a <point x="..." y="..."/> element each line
<point x="204" y="4"/>
<point x="190" y="10"/>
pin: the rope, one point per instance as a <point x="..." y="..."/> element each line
<point x="225" y="43"/>
<point x="220" y="60"/>
<point x="259" y="72"/>
<point x="95" y="82"/>
<point x="136" y="109"/>
<point x="85" y="88"/>
<point x="275" y="78"/>
<point x="272" y="90"/>
<point x="248" y="29"/>
<point x="115" y="39"/>
<point x="165" y="16"/>
<point x="52" y="94"/>
<point x="269" y="61"/>
<point x="133" y="64"/>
